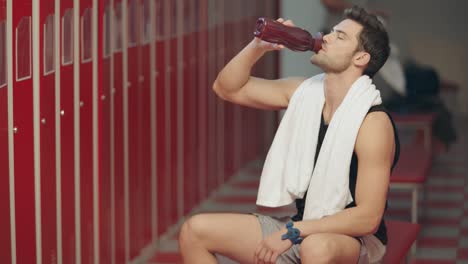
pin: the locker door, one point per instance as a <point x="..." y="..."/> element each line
<point x="5" y="225"/>
<point x="105" y="60"/>
<point x="228" y="11"/>
<point x="145" y="140"/>
<point x="237" y="126"/>
<point x="173" y="112"/>
<point x="189" y="101"/>
<point x="202" y="93"/>
<point x="139" y="124"/>
<point x="211" y="181"/>
<point x="220" y="104"/>
<point x="117" y="146"/>
<point x="134" y="123"/>
<point x="247" y="5"/>
<point x="47" y="130"/>
<point x="86" y="130"/>
<point x="162" y="118"/>
<point x="23" y="137"/>
<point x="67" y="132"/>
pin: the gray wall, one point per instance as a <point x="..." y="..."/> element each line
<point x="432" y="32"/>
<point x="309" y="15"/>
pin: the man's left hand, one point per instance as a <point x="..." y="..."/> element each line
<point x="271" y="247"/>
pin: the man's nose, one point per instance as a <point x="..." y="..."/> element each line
<point x="326" y="38"/>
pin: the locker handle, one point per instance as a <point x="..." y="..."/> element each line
<point x="43" y="121"/>
<point x="103" y="97"/>
<point x="81" y="103"/>
<point x="15" y="130"/>
<point x="62" y="112"/>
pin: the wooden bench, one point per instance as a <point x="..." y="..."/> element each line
<point x="401" y="236"/>
<point x="411" y="172"/>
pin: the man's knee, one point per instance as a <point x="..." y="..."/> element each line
<point x="192" y="230"/>
<point x="318" y="248"/>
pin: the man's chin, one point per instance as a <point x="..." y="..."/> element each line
<point x="315" y="61"/>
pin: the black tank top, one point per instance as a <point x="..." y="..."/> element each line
<point x="381" y="233"/>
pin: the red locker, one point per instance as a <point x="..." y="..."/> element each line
<point x="105" y="81"/>
<point x="212" y="49"/>
<point x="86" y="131"/>
<point x="189" y="103"/>
<point x="220" y="104"/>
<point x="163" y="116"/>
<point x="47" y="130"/>
<point x="117" y="145"/>
<point x="23" y="137"/>
<point x="145" y="189"/>
<point x="202" y="93"/>
<point x="229" y="8"/>
<point x="133" y="126"/>
<point x="173" y="112"/>
<point x="238" y="45"/>
<point x="67" y="132"/>
<point x="5" y="225"/>
<point x="139" y="38"/>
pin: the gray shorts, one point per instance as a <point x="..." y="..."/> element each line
<point x="372" y="250"/>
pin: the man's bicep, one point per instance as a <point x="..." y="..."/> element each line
<point x="266" y="94"/>
<point x="375" y="151"/>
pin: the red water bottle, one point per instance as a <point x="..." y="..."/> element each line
<point x="294" y="38"/>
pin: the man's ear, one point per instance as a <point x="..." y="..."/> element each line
<point x="361" y="58"/>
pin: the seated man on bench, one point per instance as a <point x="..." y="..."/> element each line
<point x="332" y="154"/>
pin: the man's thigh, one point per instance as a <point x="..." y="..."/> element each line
<point x="335" y="248"/>
<point x="233" y="235"/>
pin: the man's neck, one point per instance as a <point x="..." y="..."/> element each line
<point x="336" y="88"/>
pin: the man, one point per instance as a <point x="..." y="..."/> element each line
<point x="358" y="45"/>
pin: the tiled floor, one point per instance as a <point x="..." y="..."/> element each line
<point x="443" y="215"/>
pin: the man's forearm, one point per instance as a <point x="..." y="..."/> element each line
<point x="352" y="222"/>
<point x="237" y="72"/>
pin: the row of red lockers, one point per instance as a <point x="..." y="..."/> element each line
<point x="113" y="134"/>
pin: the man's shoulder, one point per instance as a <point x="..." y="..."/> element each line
<point x="376" y="132"/>
<point x="377" y="121"/>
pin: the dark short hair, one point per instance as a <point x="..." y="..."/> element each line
<point x="373" y="38"/>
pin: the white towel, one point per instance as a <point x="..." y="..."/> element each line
<point x="289" y="171"/>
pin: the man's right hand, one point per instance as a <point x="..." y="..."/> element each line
<point x="267" y="46"/>
<point x="235" y="84"/>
